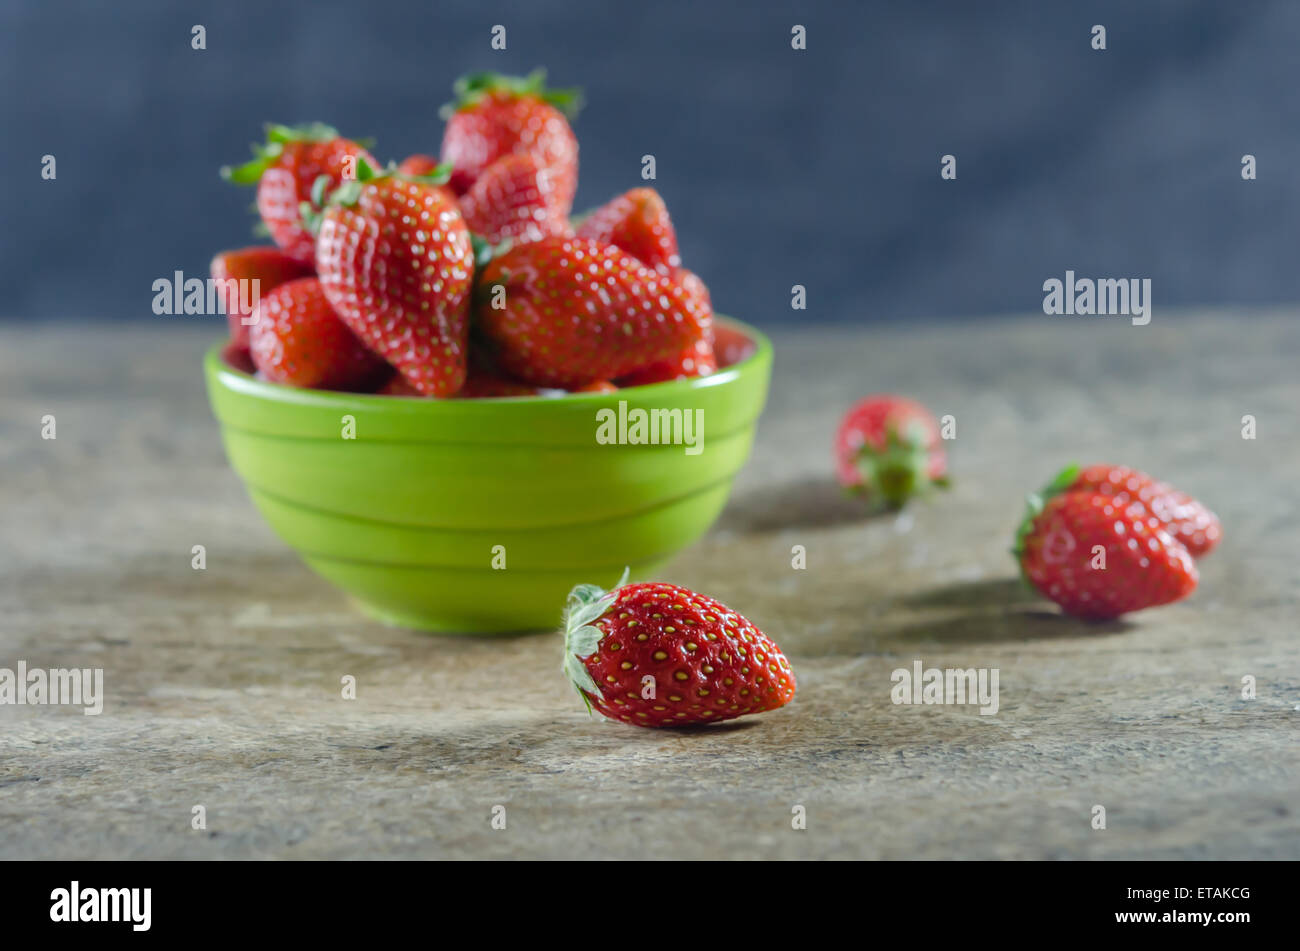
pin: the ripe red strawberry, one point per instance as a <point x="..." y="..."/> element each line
<point x="1099" y="557"/>
<point x="486" y="384"/>
<point x="396" y="262"/>
<point x="565" y="311"/>
<point x="298" y="339"/>
<point x="696" y="360"/>
<point x="888" y="448"/>
<point x="285" y="171"/>
<point x="427" y="169"/>
<point x="514" y="198"/>
<point x="238" y="357"/>
<point x="662" y="655"/>
<point x="730" y="346"/>
<point x="496" y="115"/>
<point x="1182" y="516"/>
<point x="636" y="221"/>
<point x="691" y="283"/>
<point x="270" y="267"/>
<point x="697" y="357"/>
<point x="419" y="165"/>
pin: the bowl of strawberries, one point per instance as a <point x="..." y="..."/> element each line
<point x="454" y="399"/>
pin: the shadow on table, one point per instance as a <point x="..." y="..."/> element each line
<point x="708" y="729"/>
<point x="987" y="593"/>
<point x="807" y="503"/>
<point x="1001" y="609"/>
<point x="997" y="627"/>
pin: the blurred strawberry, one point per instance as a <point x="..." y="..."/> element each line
<point x="731" y="346"/>
<point x="638" y="223"/>
<point x="888" y="448"/>
<point x="238" y="357"/>
<point x="695" y="360"/>
<point x="514" y="198"/>
<point x="597" y="386"/>
<point x="697" y="357"/>
<point x="270" y="267"/>
<point x="285" y="172"/>
<point x="483" y="384"/>
<point x="419" y="165"/>
<point x="495" y="115"/>
<point x="1182" y="516"/>
<point x="690" y="282"/>
<point x="298" y="339"/>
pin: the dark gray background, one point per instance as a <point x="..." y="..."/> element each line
<point x="780" y="167"/>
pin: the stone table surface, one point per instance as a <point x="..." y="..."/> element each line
<point x="222" y="685"/>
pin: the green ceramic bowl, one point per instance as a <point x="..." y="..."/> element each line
<point x="416" y="513"/>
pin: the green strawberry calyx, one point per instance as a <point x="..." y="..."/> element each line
<point x="485" y="251"/>
<point x="473" y="88"/>
<point x="586" y="604"/>
<point x="899" y="471"/>
<point x="266" y="154"/>
<point x="1035" y="501"/>
<point x="348" y="192"/>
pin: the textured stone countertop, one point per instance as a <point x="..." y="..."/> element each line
<point x="222" y="685"/>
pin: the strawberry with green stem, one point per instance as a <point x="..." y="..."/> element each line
<point x="657" y="655"/>
<point x="420" y="165"/>
<point x="286" y="168"/>
<point x="1099" y="556"/>
<point x="495" y="115"/>
<point x="889" y="448"/>
<point x="1183" y="516"/>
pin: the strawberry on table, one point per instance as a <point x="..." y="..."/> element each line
<point x="270" y="267"/>
<point x="514" y="198"/>
<point x="574" y="311"/>
<point x="396" y="262"/>
<point x="285" y="171"/>
<point x="659" y="655"/>
<point x="1099" y="556"/>
<point x="888" y="448"/>
<point x="495" y="115"/>
<point x="298" y="339"/>
<point x="636" y="221"/>
<point x="1182" y="516"/>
